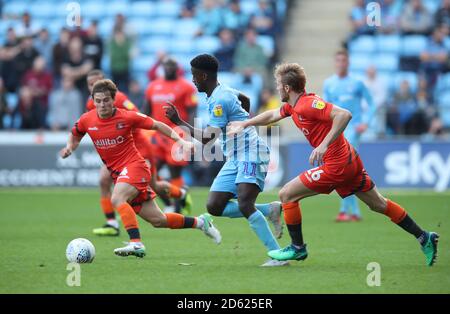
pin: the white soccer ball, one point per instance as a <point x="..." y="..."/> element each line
<point x="80" y="251"/>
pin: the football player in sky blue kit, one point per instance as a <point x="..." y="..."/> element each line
<point x="247" y="156"/>
<point x="348" y="92"/>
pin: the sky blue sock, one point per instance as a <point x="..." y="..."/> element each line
<point x="263" y="208"/>
<point x="259" y="224"/>
<point x="354" y="205"/>
<point x="345" y="205"/>
<point x="232" y="210"/>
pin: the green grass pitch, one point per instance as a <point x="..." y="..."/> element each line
<point x="37" y="224"/>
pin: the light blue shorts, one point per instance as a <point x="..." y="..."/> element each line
<point x="235" y="172"/>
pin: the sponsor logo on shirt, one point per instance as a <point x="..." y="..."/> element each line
<point x="218" y="111"/>
<point x="318" y="104"/>
<point x="120" y="125"/>
<point x="106" y="142"/>
<point x="94" y="128"/>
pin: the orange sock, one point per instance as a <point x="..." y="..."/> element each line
<point x="174" y="191"/>
<point x="177" y="181"/>
<point x="107" y="207"/>
<point x="175" y="221"/>
<point x="395" y="212"/>
<point x="130" y="222"/>
<point x="292" y="213"/>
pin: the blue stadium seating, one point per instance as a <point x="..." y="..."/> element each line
<point x="413" y="45"/>
<point x="167" y="9"/>
<point x="411" y="77"/>
<point x="181" y="46"/>
<point x="207" y="44"/>
<point x="360" y="61"/>
<point x="141" y="9"/>
<point x="386" y="62"/>
<point x="363" y="44"/>
<point x="186" y="27"/>
<point x="153" y="44"/>
<point x="388" y="43"/>
<point x="268" y="44"/>
<point x="161" y="26"/>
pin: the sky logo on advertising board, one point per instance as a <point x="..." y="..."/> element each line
<point x="411" y="167"/>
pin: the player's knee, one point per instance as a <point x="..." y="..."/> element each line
<point x="157" y="222"/>
<point x="284" y="196"/>
<point x="246" y="208"/>
<point x="214" y="207"/>
<point x="105" y="182"/>
<point x="117" y="200"/>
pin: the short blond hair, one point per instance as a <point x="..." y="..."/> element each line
<point x="105" y="85"/>
<point x="291" y="74"/>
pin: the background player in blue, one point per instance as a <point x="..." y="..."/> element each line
<point x="247" y="156"/>
<point x="348" y="92"/>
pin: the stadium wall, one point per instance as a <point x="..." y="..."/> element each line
<point x="31" y="159"/>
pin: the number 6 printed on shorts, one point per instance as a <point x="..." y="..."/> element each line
<point x="315" y="174"/>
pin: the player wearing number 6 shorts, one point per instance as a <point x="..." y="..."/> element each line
<point x="339" y="166"/>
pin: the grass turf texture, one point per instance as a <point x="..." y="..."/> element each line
<point x="37" y="224"/>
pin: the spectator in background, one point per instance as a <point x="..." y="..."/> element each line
<point x="39" y="81"/>
<point x="269" y="101"/>
<point x="390" y="15"/>
<point x="209" y="17"/>
<point x="31" y="115"/>
<point x="416" y="19"/>
<point x="93" y="45"/>
<point x="157" y="71"/>
<point x="119" y="52"/>
<point x="64" y="106"/>
<point x="8" y="53"/>
<point x="27" y="28"/>
<point x="358" y="20"/>
<point x="435" y="57"/>
<point x="44" y="46"/>
<point x="136" y="94"/>
<point x="225" y="53"/>
<point x="263" y="21"/>
<point x="60" y="50"/>
<point x="121" y="23"/>
<point x="249" y="57"/>
<point x="378" y="90"/>
<point x="25" y="58"/>
<point x="78" y="30"/>
<point x="4" y="110"/>
<point x="76" y="66"/>
<point x="234" y="19"/>
<point x="442" y="16"/>
<point x="404" y="115"/>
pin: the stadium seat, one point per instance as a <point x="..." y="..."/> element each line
<point x="181" y="46"/>
<point x="268" y="44"/>
<point x="15" y="7"/>
<point x="431" y="5"/>
<point x="249" y="6"/>
<point x="12" y="99"/>
<point x="105" y="28"/>
<point x="388" y="43"/>
<point x="142" y="26"/>
<point x="363" y="44"/>
<point x="443" y="83"/>
<point x="93" y="10"/>
<point x="413" y="45"/>
<point x="167" y="9"/>
<point x="140" y="9"/>
<point x="360" y="61"/>
<point x="186" y="27"/>
<point x="447" y="42"/>
<point x="229" y="78"/>
<point x="153" y="44"/>
<point x="444" y="100"/>
<point x="163" y="27"/>
<point x="54" y="27"/>
<point x="207" y="44"/>
<point x="386" y="62"/>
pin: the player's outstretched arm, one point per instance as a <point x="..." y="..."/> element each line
<point x="340" y="117"/>
<point x="169" y="132"/>
<point x="71" y="146"/>
<point x="264" y="118"/>
<point x="203" y="136"/>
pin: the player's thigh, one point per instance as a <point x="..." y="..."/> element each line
<point x="373" y="199"/>
<point x="123" y="192"/>
<point x="294" y="191"/>
<point x="105" y="176"/>
<point x="247" y="193"/>
<point x="151" y="212"/>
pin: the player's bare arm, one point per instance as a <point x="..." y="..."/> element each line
<point x="341" y="117"/>
<point x="169" y="132"/>
<point x="204" y="136"/>
<point x="72" y="145"/>
<point x="264" y="118"/>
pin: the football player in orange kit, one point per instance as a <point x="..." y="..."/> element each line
<point x="112" y="133"/>
<point x="163" y="188"/>
<point x="180" y="92"/>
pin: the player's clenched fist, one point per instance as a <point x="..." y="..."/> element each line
<point x="172" y="113"/>
<point x="65" y="152"/>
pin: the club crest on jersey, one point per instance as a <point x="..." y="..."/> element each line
<point x="129" y="105"/>
<point x="218" y="111"/>
<point x="318" y="104"/>
<point x="120" y="125"/>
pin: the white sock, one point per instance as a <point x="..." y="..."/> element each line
<point x="113" y="223"/>
<point x="200" y="223"/>
<point x="169" y="209"/>
<point x="183" y="193"/>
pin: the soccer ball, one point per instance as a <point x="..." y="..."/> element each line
<point x="80" y="251"/>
